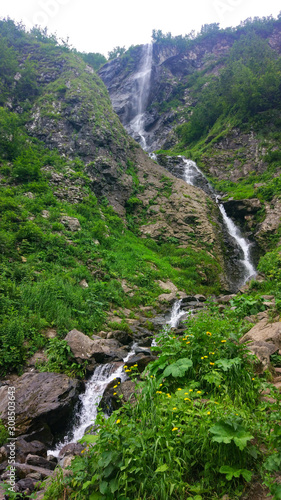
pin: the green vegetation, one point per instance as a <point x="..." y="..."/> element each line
<point x="192" y="433"/>
<point x="200" y="428"/>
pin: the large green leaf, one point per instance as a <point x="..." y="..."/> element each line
<point x="178" y="368"/>
<point x="227" y="364"/>
<point x="226" y="433"/>
<point x="235" y="472"/>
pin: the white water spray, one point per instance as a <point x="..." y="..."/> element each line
<point x="90" y="399"/>
<point x="142" y="81"/>
<point x="241" y="242"/>
<point x="176" y="314"/>
<point x="192" y="175"/>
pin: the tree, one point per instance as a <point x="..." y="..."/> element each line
<point x="116" y="52"/>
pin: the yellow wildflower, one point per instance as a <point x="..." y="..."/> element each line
<point x="118" y="421"/>
<point x="208" y="413"/>
<point x="223" y="340"/>
<point x="174" y="408"/>
<point x="174" y="429"/>
<point x="187" y="399"/>
<point x="199" y="392"/>
<point x="212" y="363"/>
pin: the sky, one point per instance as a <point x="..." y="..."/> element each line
<point x="101" y="25"/>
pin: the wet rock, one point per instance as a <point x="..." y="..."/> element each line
<point x="25" y="485"/>
<point x="114" y="398"/>
<point x="40" y="462"/>
<point x="121" y="336"/>
<point x="71" y="449"/>
<point x="42" y="398"/>
<point x="141" y="360"/>
<point x="25" y="448"/>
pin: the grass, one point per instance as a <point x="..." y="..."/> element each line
<point x="191" y="433"/>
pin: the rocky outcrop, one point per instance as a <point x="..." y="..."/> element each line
<point x="93" y="351"/>
<point x="263" y="340"/>
<point x="42" y="399"/>
<point x="270" y="224"/>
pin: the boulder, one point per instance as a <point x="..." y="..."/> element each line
<point x="71" y="449"/>
<point x="95" y="351"/>
<point x="264" y="339"/>
<point x="71" y="223"/>
<point x="142" y="360"/>
<point x="40" y="462"/>
<point x="263" y="351"/>
<point x="264" y="331"/>
<point x="42" y="398"/>
<point x="113" y="399"/>
<point x="121" y="336"/>
<point x="23" y="449"/>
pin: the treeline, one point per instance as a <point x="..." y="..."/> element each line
<point x="261" y="26"/>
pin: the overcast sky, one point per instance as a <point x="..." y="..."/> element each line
<point x="101" y="25"/>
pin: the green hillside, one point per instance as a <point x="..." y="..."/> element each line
<point x="89" y="232"/>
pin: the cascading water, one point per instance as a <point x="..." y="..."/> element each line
<point x="176" y="314"/>
<point x="142" y="86"/>
<point x="193" y="176"/>
<point x="90" y="399"/>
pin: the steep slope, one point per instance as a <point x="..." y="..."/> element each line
<point x="81" y="202"/>
<point x="216" y="99"/>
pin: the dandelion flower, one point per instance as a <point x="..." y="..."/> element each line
<point x="118" y="421"/>
<point x="223" y="340"/>
<point x="199" y="392"/>
<point x="179" y="389"/>
<point x="190" y="390"/>
<point x="188" y="342"/>
<point x="114" y="387"/>
<point x="114" y="394"/>
<point x="174" y="408"/>
<point x="212" y="363"/>
<point x="187" y="399"/>
<point x="174" y="429"/>
<point x="208" y="413"/>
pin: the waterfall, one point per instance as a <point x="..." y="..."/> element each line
<point x="176" y="314"/>
<point x="241" y="242"/>
<point x="90" y="399"/>
<point x="194" y="176"/>
<point x="136" y="126"/>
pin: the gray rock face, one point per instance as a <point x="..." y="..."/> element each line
<point x="264" y="339"/>
<point x="41" y="398"/>
<point x="94" y="351"/>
